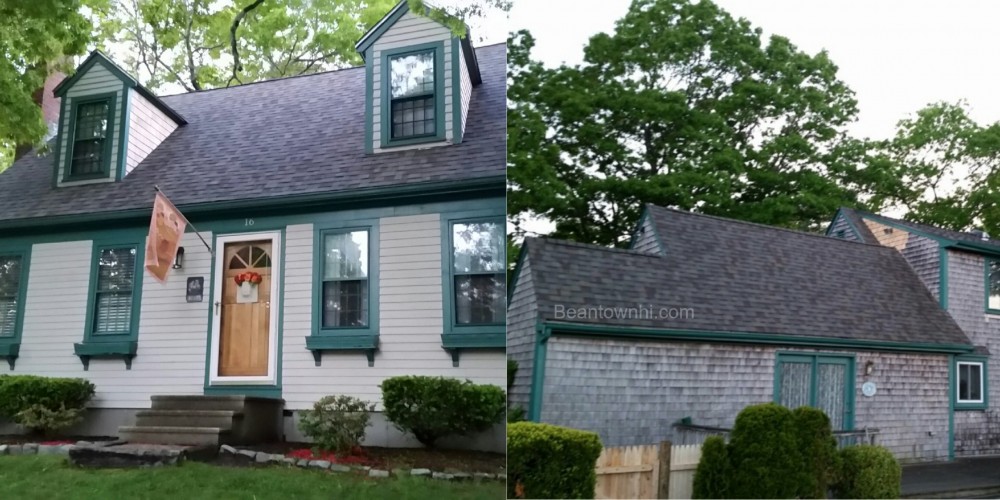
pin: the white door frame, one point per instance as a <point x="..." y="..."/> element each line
<point x="272" y="360"/>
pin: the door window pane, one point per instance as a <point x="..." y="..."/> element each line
<point x="831" y="397"/>
<point x="796" y="384"/>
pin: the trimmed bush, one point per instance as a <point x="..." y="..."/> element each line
<point x="548" y="461"/>
<point x="711" y="478"/>
<point x="868" y="471"/>
<point x="764" y="454"/>
<point x="516" y="414"/>
<point x="434" y="407"/>
<point x="43" y="404"/>
<point x="819" y="451"/>
<point x="337" y="423"/>
<point x="511" y="373"/>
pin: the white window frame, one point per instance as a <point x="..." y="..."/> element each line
<point x="958" y="382"/>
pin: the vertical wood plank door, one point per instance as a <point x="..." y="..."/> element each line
<point x="244" y="340"/>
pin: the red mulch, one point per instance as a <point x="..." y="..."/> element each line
<point x="439" y="460"/>
<point x="357" y="456"/>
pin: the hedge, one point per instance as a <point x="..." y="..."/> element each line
<point x="764" y="453"/>
<point x="548" y="461"/>
<point x="43" y="404"/>
<point x="434" y="407"/>
<point x="869" y="471"/>
<point x="711" y="478"/>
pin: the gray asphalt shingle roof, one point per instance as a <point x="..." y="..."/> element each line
<point x="294" y="136"/>
<point x="743" y="277"/>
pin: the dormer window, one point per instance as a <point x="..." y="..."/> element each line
<point x="414" y="90"/>
<point x="91" y="147"/>
<point x="412" y="95"/>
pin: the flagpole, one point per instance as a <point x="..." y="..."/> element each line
<point x="196" y="232"/>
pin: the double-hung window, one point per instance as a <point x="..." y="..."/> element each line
<point x="412" y="95"/>
<point x="90" y="150"/>
<point x="345" y="293"/>
<point x="993" y="285"/>
<point x="478" y="274"/>
<point x="11" y="300"/>
<point x="971" y="385"/>
<point x="114" y="291"/>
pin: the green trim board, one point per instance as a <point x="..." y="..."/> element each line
<point x="111" y="344"/>
<point x="815" y="360"/>
<point x="983" y="361"/>
<point x="538" y="362"/>
<point x="124" y="125"/>
<point x="752" y="338"/>
<point x="364" y="339"/>
<point x="113" y="130"/>
<point x="60" y="136"/>
<point x="369" y="104"/>
<point x="490" y="336"/>
<point x="943" y="277"/>
<point x="383" y="25"/>
<point x="390" y="196"/>
<point x="385" y="102"/>
<point x="95" y="57"/>
<point x="10" y="346"/>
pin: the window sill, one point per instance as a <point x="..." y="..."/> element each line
<point x="9" y="350"/>
<point x="124" y="350"/>
<point x="366" y="343"/>
<point x="455" y="343"/>
<point x="971" y="406"/>
<point x="90" y="177"/>
<point x="394" y="143"/>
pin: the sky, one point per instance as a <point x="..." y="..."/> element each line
<point x="897" y="56"/>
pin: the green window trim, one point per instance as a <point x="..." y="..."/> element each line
<point x="112" y="128"/>
<point x="385" y="102"/>
<point x="981" y="403"/>
<point x="987" y="261"/>
<point x="455" y="337"/>
<point x="363" y="339"/>
<point x="111" y="345"/>
<point x="10" y="346"/>
<point x="815" y="360"/>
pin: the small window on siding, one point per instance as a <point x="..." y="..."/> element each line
<point x="413" y="112"/>
<point x="113" y="295"/>
<point x="970" y="388"/>
<point x="993" y="284"/>
<point x="345" y="280"/>
<point x="10" y="300"/>
<point x="478" y="272"/>
<point x="89" y="139"/>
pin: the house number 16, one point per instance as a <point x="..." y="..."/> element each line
<point x="247" y="222"/>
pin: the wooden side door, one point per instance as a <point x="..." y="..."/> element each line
<point x="244" y="339"/>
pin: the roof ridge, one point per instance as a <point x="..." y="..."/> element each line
<point x="766" y="226"/>
<point x="591" y="246"/>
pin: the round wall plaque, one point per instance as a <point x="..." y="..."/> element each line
<point x="868" y="389"/>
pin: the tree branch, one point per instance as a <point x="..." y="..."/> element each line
<point x="237" y="67"/>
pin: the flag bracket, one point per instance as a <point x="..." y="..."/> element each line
<point x="196" y="232"/>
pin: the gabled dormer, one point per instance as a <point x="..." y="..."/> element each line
<point x="418" y="82"/>
<point x="108" y="124"/>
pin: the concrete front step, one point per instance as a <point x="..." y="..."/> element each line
<point x="222" y="419"/>
<point x="192" y="436"/>
<point x="196" y="402"/>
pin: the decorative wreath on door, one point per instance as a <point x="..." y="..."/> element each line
<point x="248" y="277"/>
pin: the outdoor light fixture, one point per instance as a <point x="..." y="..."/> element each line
<point x="179" y="259"/>
<point x="869" y="367"/>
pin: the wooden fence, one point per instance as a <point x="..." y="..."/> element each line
<point x="648" y="471"/>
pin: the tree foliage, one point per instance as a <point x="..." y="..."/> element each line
<point x="683" y="106"/>
<point x="36" y="37"/>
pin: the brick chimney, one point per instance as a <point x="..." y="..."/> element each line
<point x="46" y="99"/>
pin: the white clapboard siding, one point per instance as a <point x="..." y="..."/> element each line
<point x="466" y="87"/>
<point x="411" y="29"/>
<point x="410" y="319"/>
<point x="148" y="127"/>
<point x="171" y="355"/>
<point x="97" y="80"/>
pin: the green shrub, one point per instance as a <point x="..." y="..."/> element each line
<point x="337" y="423"/>
<point x="434" y="407"/>
<point x="43" y="404"/>
<point x="764" y="454"/>
<point x="511" y="373"/>
<point x="516" y="414"/>
<point x="819" y="451"/>
<point x="868" y="471"/>
<point x="711" y="478"/>
<point x="548" y="461"/>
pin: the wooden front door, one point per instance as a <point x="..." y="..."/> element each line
<point x="244" y="338"/>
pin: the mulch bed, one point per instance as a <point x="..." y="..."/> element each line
<point x="398" y="458"/>
<point x="26" y="438"/>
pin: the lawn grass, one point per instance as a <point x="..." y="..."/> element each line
<point x="52" y="478"/>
